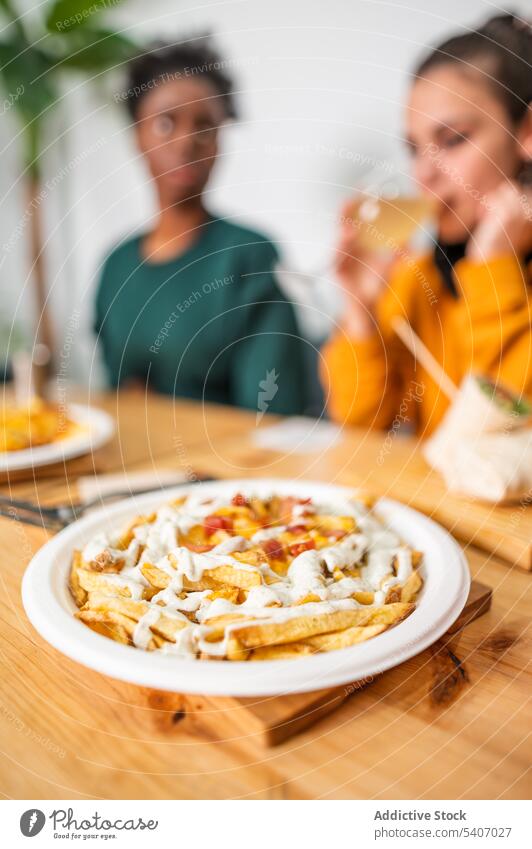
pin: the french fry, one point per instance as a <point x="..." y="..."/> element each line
<point x="211" y="578"/>
<point x="283" y="652"/>
<point x="411" y="588"/>
<point x="242" y="578"/>
<point x="160" y="580"/>
<point x="345" y="638"/>
<point x="218" y="624"/>
<point x="167" y="626"/>
<point x="106" y="628"/>
<point x="259" y="508"/>
<point x="296" y="629"/>
<point x="300" y="628"/>
<point x="229" y="593"/>
<point x="307" y="599"/>
<point x="404" y="592"/>
<point x="108" y="624"/>
<point x="417" y="557"/>
<point x="80" y="595"/>
<point x="235" y="649"/>
<point x="101" y="582"/>
<point x="334" y="523"/>
<point x="389" y="614"/>
<point x="363" y="597"/>
<point x="251" y="557"/>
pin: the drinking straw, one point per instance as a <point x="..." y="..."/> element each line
<point x="421" y="354"/>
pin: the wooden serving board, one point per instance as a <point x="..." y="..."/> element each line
<point x="273" y="720"/>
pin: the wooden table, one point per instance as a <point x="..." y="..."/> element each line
<point x="443" y="725"/>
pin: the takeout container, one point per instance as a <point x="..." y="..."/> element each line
<point x="496" y="467"/>
<point x="481" y="449"/>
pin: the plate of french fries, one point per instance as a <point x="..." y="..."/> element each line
<point x="41" y="433"/>
<point x="246" y="587"/>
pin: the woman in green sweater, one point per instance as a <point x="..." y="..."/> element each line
<point x="192" y="308"/>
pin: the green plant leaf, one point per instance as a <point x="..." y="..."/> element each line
<point x="27" y="77"/>
<point x="14" y="18"/>
<point x="29" y="89"/>
<point x="67" y="15"/>
<point x="92" y="49"/>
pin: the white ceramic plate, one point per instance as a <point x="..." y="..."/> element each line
<point x="49" y="606"/>
<point x="97" y="427"/>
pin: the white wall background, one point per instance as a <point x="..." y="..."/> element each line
<point x="320" y="85"/>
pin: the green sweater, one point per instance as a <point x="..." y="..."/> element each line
<point x="210" y="324"/>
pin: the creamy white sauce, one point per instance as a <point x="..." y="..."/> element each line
<point x="192" y="512"/>
<point x="134" y="573"/>
<point x="267" y="533"/>
<point x="185" y="645"/>
<point x="299" y="510"/>
<point x="346" y="553"/>
<point x="142" y="633"/>
<point x="229" y="545"/>
<point x="305" y="575"/>
<point x="193" y="564"/>
<point x="135" y="587"/>
<point x="159" y="537"/>
<point x="310" y="573"/>
<point x="379" y="565"/>
<point x="190" y="604"/>
<point x="404" y="565"/>
<point x="98" y="544"/>
<point x="221" y="607"/>
<point x="104" y="544"/>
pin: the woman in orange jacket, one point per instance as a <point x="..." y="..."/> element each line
<point x="469" y="129"/>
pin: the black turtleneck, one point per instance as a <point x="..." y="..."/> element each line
<point x="446" y="257"/>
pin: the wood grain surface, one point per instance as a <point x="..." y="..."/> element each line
<point x="276" y="720"/>
<point x="450" y="723"/>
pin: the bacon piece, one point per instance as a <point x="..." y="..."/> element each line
<point x="217" y="523"/>
<point x="273" y="548"/>
<point x="298" y="547"/>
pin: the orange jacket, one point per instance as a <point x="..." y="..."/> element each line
<point x="486" y="330"/>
